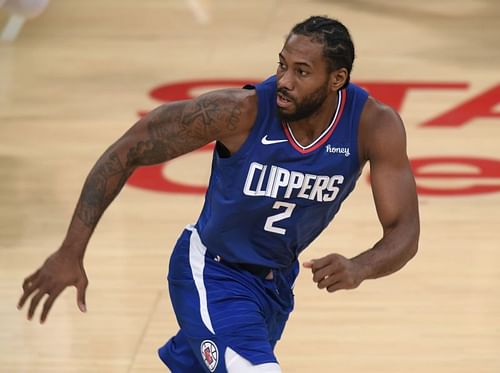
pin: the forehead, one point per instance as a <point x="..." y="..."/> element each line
<point x="303" y="49"/>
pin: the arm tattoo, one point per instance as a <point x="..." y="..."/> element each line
<point x="103" y="183"/>
<point x="169" y="131"/>
<point x="163" y="140"/>
<point x="185" y="126"/>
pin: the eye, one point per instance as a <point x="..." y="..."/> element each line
<point x="302" y="72"/>
<point x="281" y="65"/>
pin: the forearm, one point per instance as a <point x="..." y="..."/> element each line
<point x="154" y="139"/>
<point x="389" y="255"/>
<point x="104" y="182"/>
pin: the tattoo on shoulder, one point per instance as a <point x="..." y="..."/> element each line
<point x="178" y="128"/>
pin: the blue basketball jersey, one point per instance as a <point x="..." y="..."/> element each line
<point x="268" y="201"/>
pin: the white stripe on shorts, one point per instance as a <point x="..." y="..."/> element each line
<point x="197" y="262"/>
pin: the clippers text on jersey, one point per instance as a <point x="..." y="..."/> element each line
<point x="271" y="181"/>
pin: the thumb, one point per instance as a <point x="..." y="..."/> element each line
<point x="81" y="289"/>
<point x="308" y="264"/>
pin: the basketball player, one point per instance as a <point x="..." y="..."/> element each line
<point x="288" y="152"/>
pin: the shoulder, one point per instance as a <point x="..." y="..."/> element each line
<point x="233" y="108"/>
<point x="381" y="130"/>
<point x="232" y="111"/>
<point x="244" y="100"/>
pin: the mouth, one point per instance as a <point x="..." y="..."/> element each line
<point x="283" y="101"/>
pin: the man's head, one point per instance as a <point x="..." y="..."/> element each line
<point x="338" y="48"/>
<point x="316" y="61"/>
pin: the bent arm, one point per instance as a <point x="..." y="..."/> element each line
<point x="165" y="133"/>
<point x="394" y="192"/>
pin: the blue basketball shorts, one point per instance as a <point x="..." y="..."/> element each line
<point x="217" y="307"/>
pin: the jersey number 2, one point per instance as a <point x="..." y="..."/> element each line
<point x="282" y="215"/>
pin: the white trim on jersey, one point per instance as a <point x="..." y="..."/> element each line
<point x="197" y="262"/>
<point x="236" y="363"/>
<point x="323" y="134"/>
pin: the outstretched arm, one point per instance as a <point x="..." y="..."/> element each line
<point x="383" y="142"/>
<point x="163" y="134"/>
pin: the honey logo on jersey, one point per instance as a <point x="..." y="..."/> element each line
<point x="332" y="149"/>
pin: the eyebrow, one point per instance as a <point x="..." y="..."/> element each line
<point x="296" y="63"/>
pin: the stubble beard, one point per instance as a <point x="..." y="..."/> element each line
<point x="309" y="105"/>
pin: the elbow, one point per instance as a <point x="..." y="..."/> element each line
<point x="413" y="250"/>
<point x="412" y="247"/>
<point x="407" y="236"/>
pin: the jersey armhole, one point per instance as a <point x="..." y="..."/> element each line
<point x="359" y="96"/>
<point x="223" y="153"/>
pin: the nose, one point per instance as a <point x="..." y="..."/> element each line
<point x="285" y="80"/>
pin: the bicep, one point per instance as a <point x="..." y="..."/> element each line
<point x="178" y="128"/>
<point x="392" y="181"/>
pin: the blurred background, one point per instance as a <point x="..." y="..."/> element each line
<point x="75" y="75"/>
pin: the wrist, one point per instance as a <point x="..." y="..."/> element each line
<point x="363" y="269"/>
<point x="72" y="250"/>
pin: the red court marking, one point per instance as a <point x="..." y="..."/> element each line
<point x="483" y="168"/>
<point x="153" y="178"/>
<point x="481" y="106"/>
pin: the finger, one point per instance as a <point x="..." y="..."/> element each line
<point x="337" y="286"/>
<point x="81" y="289"/>
<point x="329" y="281"/>
<point x="28" y="281"/>
<point x="34" y="303"/>
<point x="313" y="264"/>
<point x="328" y="271"/>
<point x="48" y="304"/>
<point x="27" y="292"/>
<point x="322" y="262"/>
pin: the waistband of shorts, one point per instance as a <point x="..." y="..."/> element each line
<point x="255" y="269"/>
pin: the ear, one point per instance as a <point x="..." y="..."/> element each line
<point x="338" y="78"/>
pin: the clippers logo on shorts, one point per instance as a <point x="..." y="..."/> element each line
<point x="210" y="354"/>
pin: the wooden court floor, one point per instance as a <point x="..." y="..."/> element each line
<point x="79" y="75"/>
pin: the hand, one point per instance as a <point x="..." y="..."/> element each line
<point x="59" y="271"/>
<point x="334" y="272"/>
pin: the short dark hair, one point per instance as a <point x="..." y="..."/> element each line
<point x="338" y="46"/>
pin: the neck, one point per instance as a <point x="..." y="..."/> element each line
<point x="309" y="129"/>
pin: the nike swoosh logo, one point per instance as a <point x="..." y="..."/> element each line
<point x="265" y="141"/>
